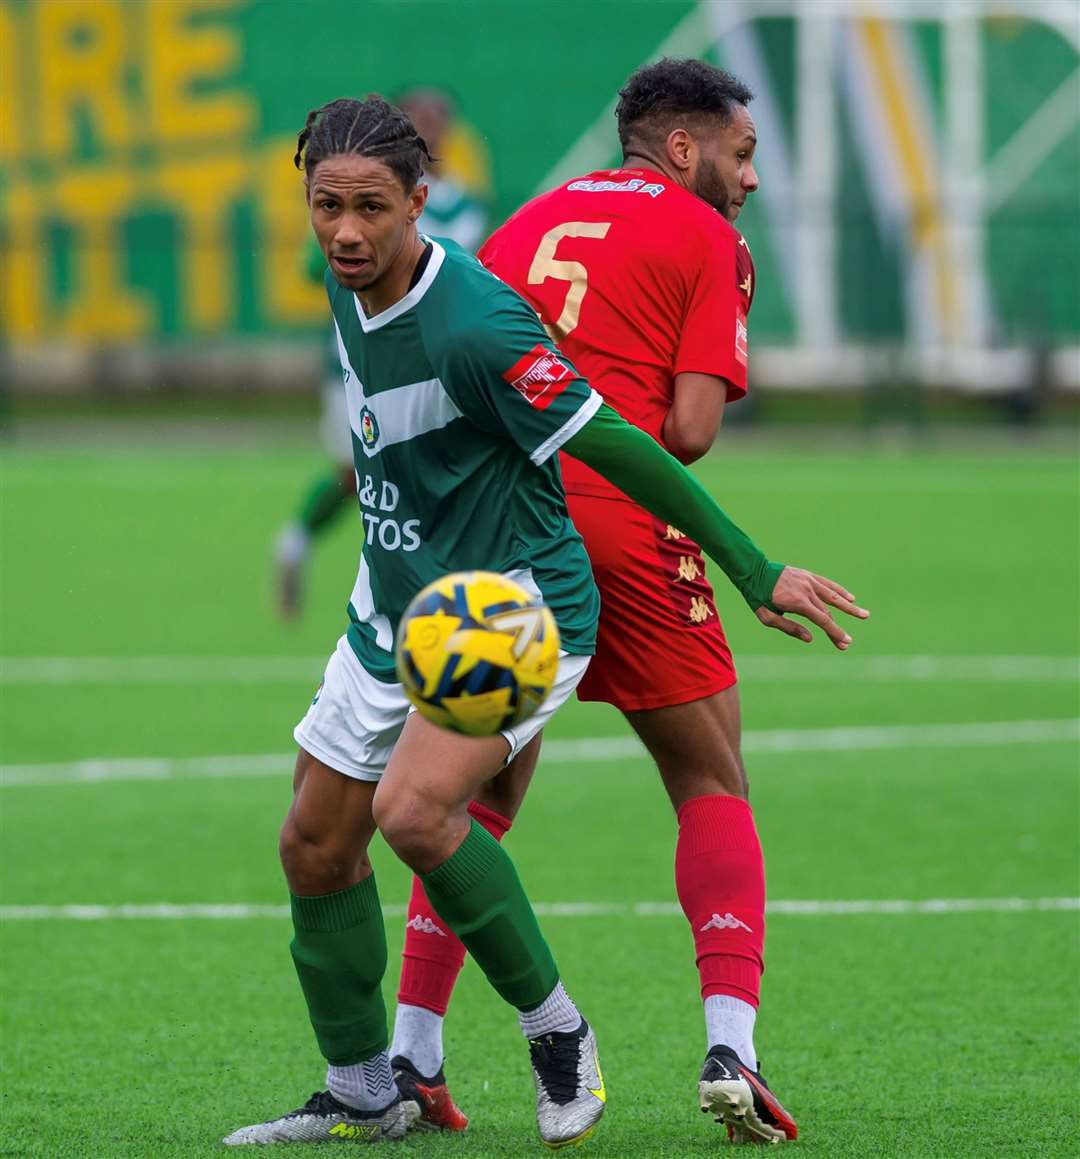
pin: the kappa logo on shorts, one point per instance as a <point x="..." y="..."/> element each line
<point x="540" y="377"/>
<point x="699" y="610"/>
<point x="369" y="427"/>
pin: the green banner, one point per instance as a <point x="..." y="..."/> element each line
<point x="147" y="189"/>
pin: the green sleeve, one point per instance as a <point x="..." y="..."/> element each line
<point x="640" y="467"/>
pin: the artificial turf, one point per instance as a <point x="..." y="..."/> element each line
<point x="897" y="1034"/>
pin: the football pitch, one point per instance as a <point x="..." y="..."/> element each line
<point x="917" y="798"/>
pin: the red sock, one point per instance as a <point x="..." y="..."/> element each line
<point x="720" y="880"/>
<point x="433" y="956"/>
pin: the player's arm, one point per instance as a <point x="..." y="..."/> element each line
<point x="710" y="359"/>
<point x="697" y="410"/>
<point x="641" y="468"/>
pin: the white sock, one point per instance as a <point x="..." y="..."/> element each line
<point x="556" y="1013"/>
<point x="366" y="1086"/>
<point x="730" y="1022"/>
<point x="292" y="546"/>
<point x="418" y="1036"/>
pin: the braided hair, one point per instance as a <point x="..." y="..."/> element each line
<point x="369" y="128"/>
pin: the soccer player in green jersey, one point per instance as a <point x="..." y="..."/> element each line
<point x="450" y="211"/>
<point x="458" y="402"/>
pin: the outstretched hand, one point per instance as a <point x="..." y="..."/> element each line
<point x="806" y="594"/>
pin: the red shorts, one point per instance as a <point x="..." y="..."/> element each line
<point x="660" y="641"/>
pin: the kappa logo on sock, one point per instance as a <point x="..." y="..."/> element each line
<point x="424" y="925"/>
<point x="728" y="922"/>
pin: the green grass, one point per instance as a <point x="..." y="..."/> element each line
<point x="898" y="1035"/>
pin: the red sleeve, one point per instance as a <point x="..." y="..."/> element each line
<point x="713" y="337"/>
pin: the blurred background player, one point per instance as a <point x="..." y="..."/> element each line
<point x="458" y="181"/>
<point x="326" y="497"/>
<point x="641" y="278"/>
<point x="456" y="176"/>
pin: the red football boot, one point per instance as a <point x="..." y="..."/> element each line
<point x="438" y="1111"/>
<point x="740" y="1098"/>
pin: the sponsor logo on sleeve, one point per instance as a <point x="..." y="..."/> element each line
<point x="540" y="377"/>
<point x="740" y="338"/>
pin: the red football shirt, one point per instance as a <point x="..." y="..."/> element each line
<point x="638" y="280"/>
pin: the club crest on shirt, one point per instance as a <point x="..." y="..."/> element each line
<point x="369" y="428"/>
<point x="540" y="377"/>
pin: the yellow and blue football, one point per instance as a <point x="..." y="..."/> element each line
<point x="476" y="652"/>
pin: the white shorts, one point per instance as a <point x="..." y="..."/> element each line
<point x="355" y="720"/>
<point x="334" y="429"/>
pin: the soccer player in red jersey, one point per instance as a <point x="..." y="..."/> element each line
<point x="640" y="276"/>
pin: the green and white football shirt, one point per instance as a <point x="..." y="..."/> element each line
<point x="458" y="403"/>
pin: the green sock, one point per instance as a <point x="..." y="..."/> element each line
<point x="323" y="503"/>
<point x="477" y="892"/>
<point x="339" y="949"/>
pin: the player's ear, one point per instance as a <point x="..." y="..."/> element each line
<point x="417" y="201"/>
<point x="680" y="149"/>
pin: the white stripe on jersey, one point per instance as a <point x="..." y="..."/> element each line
<point x="363" y="603"/>
<point x="401" y="413"/>
<point x="569" y="428"/>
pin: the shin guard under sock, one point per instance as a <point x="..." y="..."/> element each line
<point x="479" y="896"/>
<point x="720" y="880"/>
<point x="339" y="949"/>
<point x="433" y="956"/>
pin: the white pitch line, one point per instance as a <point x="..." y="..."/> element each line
<point x="64" y="671"/>
<point x="903" y="736"/>
<point x="915" y="669"/>
<point x="794" y="908"/>
<point x="73" y="670"/>
<point x="583" y="750"/>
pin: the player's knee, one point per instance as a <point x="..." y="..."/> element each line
<point x="415" y="829"/>
<point x="721" y="776"/>
<point x="317" y="864"/>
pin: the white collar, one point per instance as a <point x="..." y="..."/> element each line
<point x="411" y="298"/>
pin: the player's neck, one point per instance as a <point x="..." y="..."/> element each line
<point x="397" y="281"/>
<point x="648" y="161"/>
